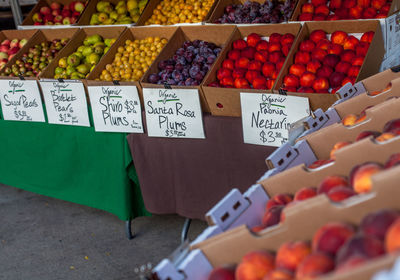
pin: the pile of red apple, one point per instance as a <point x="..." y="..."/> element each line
<point x="335" y="247"/>
<point x="323" y="65"/>
<point x="255" y="62"/>
<point x="8" y="48"/>
<point x="344" y="9"/>
<point x="57" y="14"/>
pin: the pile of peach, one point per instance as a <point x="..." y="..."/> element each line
<point x="255" y="62"/>
<point x="344" y="9"/>
<point x="336" y="187"/>
<point x="335" y="247"/>
<point x="323" y="65"/>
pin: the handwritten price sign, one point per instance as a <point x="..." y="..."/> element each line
<point x="20" y="100"/>
<point x="65" y="102"/>
<point x="266" y="118"/>
<point x="173" y="113"/>
<point x="116" y="109"/>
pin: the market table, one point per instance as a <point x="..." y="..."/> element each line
<point x="71" y="163"/>
<point x="189" y="176"/>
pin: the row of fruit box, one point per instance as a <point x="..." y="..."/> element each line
<point x="303" y="218"/>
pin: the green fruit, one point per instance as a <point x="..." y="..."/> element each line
<point x="73" y="60"/>
<point x="94" y="58"/>
<point x="79" y="54"/>
<point x="75" y="76"/>
<point x="131" y="4"/>
<point x="94" y="39"/>
<point x="70" y="70"/>
<point x="122" y="10"/>
<point x="102" y="17"/>
<point x="91" y="68"/>
<point x="119" y="4"/>
<point x="107" y="42"/>
<point x="109" y="21"/>
<point x="114" y="15"/>
<point x="101" y="6"/>
<point x="83" y="69"/>
<point x="101" y="44"/>
<point x="99" y="50"/>
<point x="80" y="49"/>
<point x="62" y="62"/>
<point x="87" y="51"/>
<point x="58" y="70"/>
<point x="94" y="20"/>
<point x="134" y="12"/>
<point x="142" y="4"/>
<point x="106" y="49"/>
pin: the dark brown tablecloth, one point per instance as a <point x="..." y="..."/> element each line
<point x="189" y="176"/>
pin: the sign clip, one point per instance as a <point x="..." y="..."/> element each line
<point x="116" y="83"/>
<point x="22" y="78"/>
<point x="167" y="86"/>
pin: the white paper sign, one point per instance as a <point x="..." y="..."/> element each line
<point x="65" y="102"/>
<point x="20" y="100"/>
<point x="116" y="108"/>
<point x="266" y="118"/>
<point x="173" y="113"/>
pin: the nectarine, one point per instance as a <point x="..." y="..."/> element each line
<point x="361" y="176"/>
<point x="255" y="265"/>
<point x="314" y="265"/>
<point x="291" y="254"/>
<point x="330" y="237"/>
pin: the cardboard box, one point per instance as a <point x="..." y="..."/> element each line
<point x="133" y="33"/>
<point x="371" y="62"/>
<point x="220" y="8"/>
<point x="303" y="219"/>
<point x="28" y="22"/>
<point x="393" y="8"/>
<point x="219" y="35"/>
<point x="77" y="40"/>
<point x="226" y="101"/>
<point x="152" y="4"/>
<point x="42" y="35"/>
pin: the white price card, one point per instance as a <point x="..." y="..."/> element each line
<point x="173" y="113"/>
<point x="21" y="101"/>
<point x="116" y="108"/>
<point x="65" y="102"/>
<point x="266" y="118"/>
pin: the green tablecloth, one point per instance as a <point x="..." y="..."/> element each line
<point x="75" y="164"/>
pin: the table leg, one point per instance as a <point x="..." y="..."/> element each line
<point x="128" y="229"/>
<point x="185" y="230"/>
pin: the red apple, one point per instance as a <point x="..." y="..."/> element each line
<point x="66" y="13"/>
<point x="45" y="10"/>
<point x="55" y="6"/>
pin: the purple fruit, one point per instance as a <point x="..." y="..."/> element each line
<point x="187" y="44"/>
<point x="199" y="76"/>
<point x="171" y="82"/>
<point x="178" y="67"/>
<point x="193" y="71"/>
<point x="189" y="56"/>
<point x="162" y="64"/>
<point x="196" y="43"/>
<point x="180" y="51"/>
<point x="181" y="83"/>
<point x="211" y="58"/>
<point x="153" y="78"/>
<point x="169" y="68"/>
<point x="189" y="81"/>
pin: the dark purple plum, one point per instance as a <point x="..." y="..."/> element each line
<point x="153" y="78"/>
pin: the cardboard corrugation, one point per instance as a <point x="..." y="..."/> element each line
<point x="371" y="62"/>
<point x="219" y="35"/>
<point x="229" y="98"/>
<point x="131" y="34"/>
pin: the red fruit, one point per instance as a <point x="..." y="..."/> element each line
<point x="255" y="65"/>
<point x="324" y="72"/>
<point x="313" y="66"/>
<point x="335" y="4"/>
<point x="286" y="49"/>
<point x="377" y="223"/>
<point x="227" y="81"/>
<point x="340" y="193"/>
<point x="369" y="13"/>
<point x="274" y="47"/>
<point x="381" y="15"/>
<point x="319" y="17"/>
<point x="275" y="57"/>
<point x="318" y="54"/>
<point x="349" y="4"/>
<point x="306" y="17"/>
<point x="291" y="80"/>
<point x="355" y="12"/>
<point x="253" y="39"/>
<point x="323" y="44"/>
<point x="317" y="3"/>
<point x="357" y="61"/>
<point x="261" y="56"/>
<point x="353" y="71"/>
<point x="279" y="65"/>
<point x="347" y="56"/>
<point x="360" y="245"/>
<point x="66" y="13"/>
<point x="228" y="63"/>
<point x="367" y="133"/>
<point x="307" y="46"/>
<point x="331" y="182"/>
<point x="335" y="49"/>
<point x="290" y="89"/>
<point x="307" y="8"/>
<point x="248" y="52"/>
<point x="392" y="161"/>
<point x="323" y="9"/>
<point x="241" y="83"/>
<point x="239" y="44"/>
<point x="385" y="9"/>
<point x="55" y="6"/>
<point x="342" y="67"/>
<point x="363" y="3"/>
<point x="45" y="10"/>
<point x="315" y="265"/>
<point x="331" y="60"/>
<point x="262" y="46"/>
<point x="330" y="237"/>
<point x="307" y="79"/>
<point x="302" y="57"/>
<point x="223" y="72"/>
<point x="321" y="84"/>
<point x="362" y="48"/>
<point x="275" y="38"/>
<point x="317" y="35"/>
<point x="234" y="54"/>
<point x="259" y="83"/>
<point x="272" y="216"/>
<point x="338" y="37"/>
<point x="368" y="36"/>
<point x="238" y="73"/>
<point x="343" y="13"/>
<point x="332" y="17"/>
<point x="270" y="83"/>
<point x="351" y="263"/>
<point x="335" y="80"/>
<point x="214" y="84"/>
<point x="297" y="69"/>
<point x="267" y="69"/>
<point x="287" y="38"/>
<point x="222" y="273"/>
<point x="242" y="62"/>
<point x="251" y="75"/>
<point x="275" y="74"/>
<point x="350" y="43"/>
<point x="291" y="254"/>
<point x="255" y="265"/>
<point x="305" y="90"/>
<point x="305" y="193"/>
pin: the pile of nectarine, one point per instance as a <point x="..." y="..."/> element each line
<point x="335" y="247"/>
<point x="344" y="9"/>
<point x="323" y="64"/>
<point x="255" y="62"/>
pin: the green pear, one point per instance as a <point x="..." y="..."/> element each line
<point x="73" y="60"/>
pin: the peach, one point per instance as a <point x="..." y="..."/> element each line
<point x="353" y="71"/>
<point x="287" y="38"/>
<point x="331" y="182"/>
<point x="391" y="125"/>
<point x="313" y="66"/>
<point x="392" y="161"/>
<point x="338" y="37"/>
<point x="307" y="46"/>
<point x="357" y="61"/>
<point x="330" y="237"/>
<point x="305" y="193"/>
<point x="335" y="49"/>
<point x="347" y="56"/>
<point x="368" y="36"/>
<point x="255" y="265"/>
<point x="253" y="39"/>
<point x="275" y="38"/>
<point x="251" y="75"/>
<point x="234" y="54"/>
<point x="350" y="263"/>
<point x="239" y="44"/>
<point x="322" y="9"/>
<point x="318" y="54"/>
<point x="279" y="65"/>
<point x="248" y="52"/>
<point x="223" y="73"/>
<point x="335" y="4"/>
<point x="361" y="177"/>
<point x="259" y="83"/>
<point x="362" y="48"/>
<point x="279" y="199"/>
<point x="385" y="9"/>
<point x="338" y="146"/>
<point x="363" y="245"/>
<point x="333" y="16"/>
<point x="355" y="12"/>
<point x="318" y="163"/>
<point x="343" y="13"/>
<point x="336" y="79"/>
<point x="376" y="224"/>
<point x="290" y="89"/>
<point x="297" y="69"/>
<point x="367" y="133"/>
<point x="275" y="56"/>
<point x="321" y="85"/>
<point x="291" y="254"/>
<point x="291" y="80"/>
<point x="388" y="87"/>
<point x="274" y="47"/>
<point x="242" y="62"/>
<point x="392" y="240"/>
<point x="268" y="68"/>
<point x="241" y="83"/>
<point x="385" y="136"/>
<point x="223" y="273"/>
<point x="227" y="82"/>
<point x="278" y="274"/>
<point x="323" y="44"/>
<point x="228" y="63"/>
<point x="319" y="17"/>
<point x="307" y="79"/>
<point x="306" y="17"/>
<point x="272" y="216"/>
<point x="255" y="65"/>
<point x="350" y="80"/>
<point x="317" y="35"/>
<point x="262" y="46"/>
<point x="350" y="43"/>
<point x="261" y="56"/>
<point x="307" y="8"/>
<point x="302" y="57"/>
<point x="331" y="60"/>
<point x="340" y="193"/>
<point x="324" y="72"/>
<point x="349" y="120"/>
<point x="314" y="265"/>
<point x="342" y="67"/>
